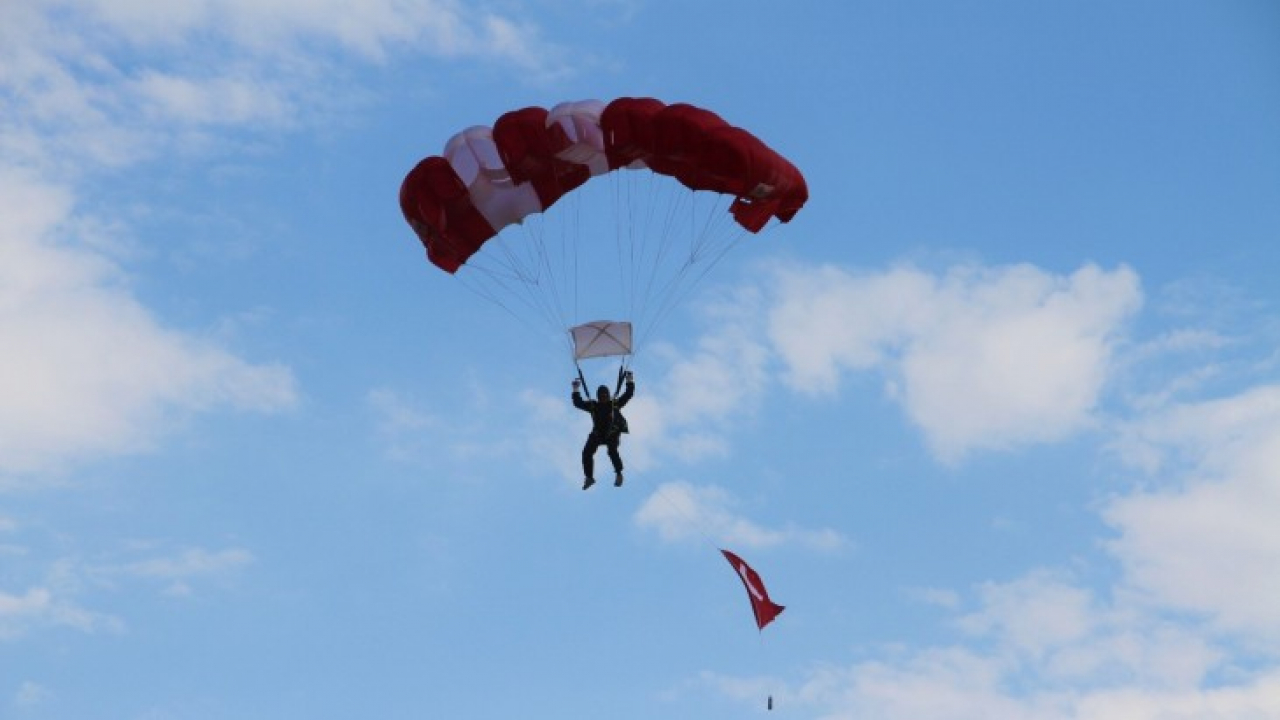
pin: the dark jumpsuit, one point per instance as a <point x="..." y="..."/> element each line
<point x="607" y="426"/>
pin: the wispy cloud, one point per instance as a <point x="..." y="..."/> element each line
<point x="459" y="436"/>
<point x="39" y="607"/>
<point x="31" y="694"/>
<point x="177" y="571"/>
<point x="70" y="587"/>
<point x="111" y="83"/>
<point x="373" y="30"/>
<point x="404" y="430"/>
<point x="680" y="511"/>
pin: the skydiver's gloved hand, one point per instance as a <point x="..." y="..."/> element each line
<point x="576" y="384"/>
<point x="630" y="376"/>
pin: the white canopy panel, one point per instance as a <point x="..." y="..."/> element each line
<point x="602" y="338"/>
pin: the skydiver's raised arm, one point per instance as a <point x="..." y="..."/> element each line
<point x="626" y="394"/>
<point x="578" y="402"/>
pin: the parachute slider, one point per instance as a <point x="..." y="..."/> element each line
<point x="602" y="338"/>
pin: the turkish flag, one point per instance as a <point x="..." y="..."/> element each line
<point x="765" y="609"/>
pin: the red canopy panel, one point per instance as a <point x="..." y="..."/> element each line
<point x="528" y="149"/>
<point x="439" y="209"/>
<point x="628" y="129"/>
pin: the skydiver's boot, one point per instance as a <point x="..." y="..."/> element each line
<point x="617" y="481"/>
<point x="588" y="483"/>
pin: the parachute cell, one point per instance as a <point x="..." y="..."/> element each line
<point x="438" y="206"/>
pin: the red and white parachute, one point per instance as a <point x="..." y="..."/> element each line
<point x="466" y="204"/>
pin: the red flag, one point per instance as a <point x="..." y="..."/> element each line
<point x="765" y="609"/>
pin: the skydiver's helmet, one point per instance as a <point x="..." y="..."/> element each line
<point x="602" y="393"/>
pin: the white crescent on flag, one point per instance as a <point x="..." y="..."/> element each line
<point x="762" y="607"/>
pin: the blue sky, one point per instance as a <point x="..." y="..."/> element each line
<point x="996" y="417"/>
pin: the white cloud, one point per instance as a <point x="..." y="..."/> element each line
<point x="372" y="29"/>
<point x="32" y="603"/>
<point x="219" y="100"/>
<point x="1034" y="614"/>
<point x="178" y="570"/>
<point x="936" y="684"/>
<point x="404" y="431"/>
<point x="1214" y="435"/>
<point x="87" y="369"/>
<point x="680" y="511"/>
<point x="40" y="607"/>
<point x="827" y="320"/>
<point x="59" y="598"/>
<point x="555" y="433"/>
<point x="727" y="370"/>
<point x="938" y="597"/>
<point x="460" y="437"/>
<point x="1040" y="647"/>
<point x="31" y="694"/>
<point x="189" y="563"/>
<point x="1058" y="628"/>
<point x="981" y="358"/>
<point x="955" y="684"/>
<point x="1208" y="541"/>
<point x="1255" y="700"/>
<point x="111" y="82"/>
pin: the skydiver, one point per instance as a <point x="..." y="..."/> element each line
<point x="607" y="426"/>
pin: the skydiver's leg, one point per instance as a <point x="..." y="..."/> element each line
<point x="589" y="455"/>
<point x="614" y="457"/>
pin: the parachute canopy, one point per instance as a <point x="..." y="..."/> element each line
<point x="601" y="339"/>
<point x="764" y="609"/>
<point x="491" y="177"/>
